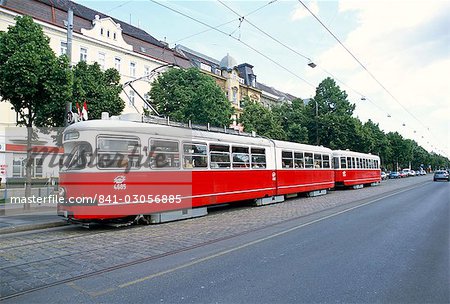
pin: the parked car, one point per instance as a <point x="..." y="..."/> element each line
<point x="423" y="172"/>
<point x="441" y="175"/>
<point x="394" y="174"/>
<point x="411" y="173"/>
<point x="384" y="176"/>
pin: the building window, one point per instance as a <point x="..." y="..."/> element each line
<point x="101" y="60"/>
<point x="107" y="34"/>
<point x="18" y="167"/>
<point x="117" y="64"/>
<point x="115" y="36"/>
<point x="133" y="69"/>
<point x="101" y="31"/>
<point x="131" y="98"/>
<point x="63" y="49"/>
<point x="234" y="96"/>
<point x="38" y="167"/>
<point x="146" y="71"/>
<point x="83" y="54"/>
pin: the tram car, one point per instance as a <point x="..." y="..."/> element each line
<point x="354" y="169"/>
<point x="124" y="169"/>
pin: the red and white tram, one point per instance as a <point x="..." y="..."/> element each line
<point x="122" y="169"/>
<point x="355" y="169"/>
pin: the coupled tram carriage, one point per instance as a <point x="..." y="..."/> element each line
<point x="139" y="169"/>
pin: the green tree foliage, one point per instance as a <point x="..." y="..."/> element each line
<point x="32" y="78"/>
<point x="293" y="120"/>
<point x="330" y="122"/>
<point x="100" y="89"/>
<point x="262" y="120"/>
<point x="189" y="94"/>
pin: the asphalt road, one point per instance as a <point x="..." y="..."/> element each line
<point x="393" y="248"/>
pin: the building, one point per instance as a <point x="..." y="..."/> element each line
<point x="237" y="80"/>
<point x="97" y="37"/>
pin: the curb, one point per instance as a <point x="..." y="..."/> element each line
<point x="29" y="227"/>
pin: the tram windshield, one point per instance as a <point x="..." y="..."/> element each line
<point x="78" y="157"/>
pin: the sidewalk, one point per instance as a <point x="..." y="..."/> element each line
<point x="15" y="219"/>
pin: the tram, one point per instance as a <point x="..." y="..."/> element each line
<point x="130" y="169"/>
<point x="354" y="169"/>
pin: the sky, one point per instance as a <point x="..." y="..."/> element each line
<point x="396" y="70"/>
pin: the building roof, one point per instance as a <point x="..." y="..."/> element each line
<point x="88" y="13"/>
<point x="228" y="62"/>
<point x="141" y="41"/>
<point x="281" y="95"/>
<point x="196" y="57"/>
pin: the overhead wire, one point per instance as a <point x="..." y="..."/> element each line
<point x="228" y="22"/>
<point x="237" y="39"/>
<point x="360" y="63"/>
<point x="259" y="52"/>
<point x="299" y="54"/>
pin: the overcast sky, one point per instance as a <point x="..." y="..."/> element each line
<point x="404" y="45"/>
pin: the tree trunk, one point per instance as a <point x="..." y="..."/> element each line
<point x="29" y="164"/>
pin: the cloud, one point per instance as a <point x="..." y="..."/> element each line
<point x="405" y="45"/>
<point x="300" y="11"/>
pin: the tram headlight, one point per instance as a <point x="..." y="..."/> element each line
<point x="71" y="135"/>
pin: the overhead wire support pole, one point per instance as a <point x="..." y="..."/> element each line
<point x="152" y="73"/>
<point x="69" y="55"/>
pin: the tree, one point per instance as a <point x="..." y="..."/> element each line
<point x="333" y="124"/>
<point x="188" y="94"/>
<point x="100" y="89"/>
<point x="33" y="80"/>
<point x="293" y="120"/>
<point x="260" y="119"/>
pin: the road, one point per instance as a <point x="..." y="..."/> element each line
<point x="391" y="247"/>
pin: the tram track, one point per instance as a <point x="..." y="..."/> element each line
<point x="327" y="212"/>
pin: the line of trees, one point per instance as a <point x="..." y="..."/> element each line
<point x="327" y="119"/>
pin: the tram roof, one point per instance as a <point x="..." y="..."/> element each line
<point x="124" y="127"/>
<point x="354" y="154"/>
<point x="301" y="147"/>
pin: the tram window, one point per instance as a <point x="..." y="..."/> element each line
<point x="79" y="157"/>
<point x="164" y="154"/>
<point x="317" y="161"/>
<point x="344" y="163"/>
<point x="309" y="161"/>
<point x="298" y="160"/>
<point x="349" y="163"/>
<point x="194" y="156"/>
<point x="118" y="152"/>
<point x="370" y="164"/>
<point x="241" y="157"/>
<point x="336" y="162"/>
<point x="220" y="156"/>
<point x="258" y="158"/>
<point x="326" y="161"/>
<point x="286" y="159"/>
<point x="376" y="164"/>
<point x="366" y="163"/>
